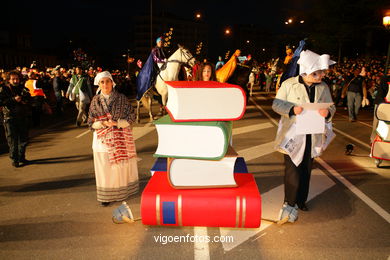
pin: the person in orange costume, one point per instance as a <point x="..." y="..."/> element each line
<point x="224" y="73"/>
<point x="289" y="55"/>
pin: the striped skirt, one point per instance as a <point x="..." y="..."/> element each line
<point x="115" y="182"/>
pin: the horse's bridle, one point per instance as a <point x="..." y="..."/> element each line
<point x="188" y="59"/>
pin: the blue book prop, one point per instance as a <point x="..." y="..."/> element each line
<point x="160" y="165"/>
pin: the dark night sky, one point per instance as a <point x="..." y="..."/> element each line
<point x="105" y="25"/>
<point x="53" y="20"/>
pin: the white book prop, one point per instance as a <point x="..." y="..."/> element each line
<point x="205" y="101"/>
<point x="192" y="140"/>
<point x="195" y="174"/>
<point x="380" y="150"/>
<point x="383" y="112"/>
<point x="383" y="130"/>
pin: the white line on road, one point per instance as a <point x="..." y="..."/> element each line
<point x="84" y="133"/>
<point x="352" y="138"/>
<point x="271" y="203"/>
<point x="363" y="123"/>
<point x="257" y="151"/>
<point x="264" y="112"/>
<point x="251" y="128"/>
<point x="344" y="181"/>
<point x="201" y="249"/>
<point x="372" y="204"/>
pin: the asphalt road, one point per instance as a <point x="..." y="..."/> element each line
<point x="48" y="210"/>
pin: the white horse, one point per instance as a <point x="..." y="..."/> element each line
<point x="171" y="73"/>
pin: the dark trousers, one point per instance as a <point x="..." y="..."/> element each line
<point x="16" y="132"/>
<point x="297" y="179"/>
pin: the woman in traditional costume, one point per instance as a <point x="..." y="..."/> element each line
<point x="114" y="154"/>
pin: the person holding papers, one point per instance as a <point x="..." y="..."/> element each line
<point x="301" y="101"/>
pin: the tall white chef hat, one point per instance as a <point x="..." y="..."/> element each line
<point x="310" y="61"/>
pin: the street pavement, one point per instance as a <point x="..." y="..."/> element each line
<point x="49" y="208"/>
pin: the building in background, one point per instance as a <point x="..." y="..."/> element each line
<point x="16" y="49"/>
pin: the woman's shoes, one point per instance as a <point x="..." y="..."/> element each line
<point x="104" y="204"/>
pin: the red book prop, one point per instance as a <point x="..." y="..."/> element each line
<point x="204" y="101"/>
<point x="220" y="207"/>
<point x="380" y="149"/>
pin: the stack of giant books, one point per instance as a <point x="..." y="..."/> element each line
<point x="380" y="148"/>
<point x="198" y="179"/>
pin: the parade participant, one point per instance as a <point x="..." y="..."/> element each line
<point x="206" y="72"/>
<point x="289" y="55"/>
<point x="110" y="118"/>
<point x="354" y="89"/>
<point x="57" y="87"/>
<point x="158" y="53"/>
<point x="80" y="91"/>
<point x="220" y="63"/>
<point x="305" y="88"/>
<point x="227" y="70"/>
<point x="15" y="102"/>
<point x="38" y="97"/>
<point x="150" y="69"/>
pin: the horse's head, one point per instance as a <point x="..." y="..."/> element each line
<point x="183" y="56"/>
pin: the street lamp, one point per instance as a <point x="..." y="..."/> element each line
<point x="198" y="15"/>
<point x="386" y="23"/>
<point x="290" y="20"/>
<point x="302" y="21"/>
<point x="227" y="31"/>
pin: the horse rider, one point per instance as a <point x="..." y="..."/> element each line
<point x="158" y="53"/>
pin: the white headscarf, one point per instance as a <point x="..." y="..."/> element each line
<point x="104" y="74"/>
<point x="310" y="62"/>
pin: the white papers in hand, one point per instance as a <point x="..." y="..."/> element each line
<point x="310" y="122"/>
<point x="315" y="106"/>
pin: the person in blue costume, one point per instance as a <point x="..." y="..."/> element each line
<point x="220" y="63"/>
<point x="151" y="69"/>
<point x="158" y="53"/>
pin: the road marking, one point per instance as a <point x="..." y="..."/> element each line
<point x="139" y="132"/>
<point x="271" y="203"/>
<point x="201" y="249"/>
<point x="363" y="123"/>
<point x="263" y="111"/>
<point x="352" y="138"/>
<point x="372" y="204"/>
<point x="84" y="133"/>
<point x="257" y="151"/>
<point x="251" y="128"/>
